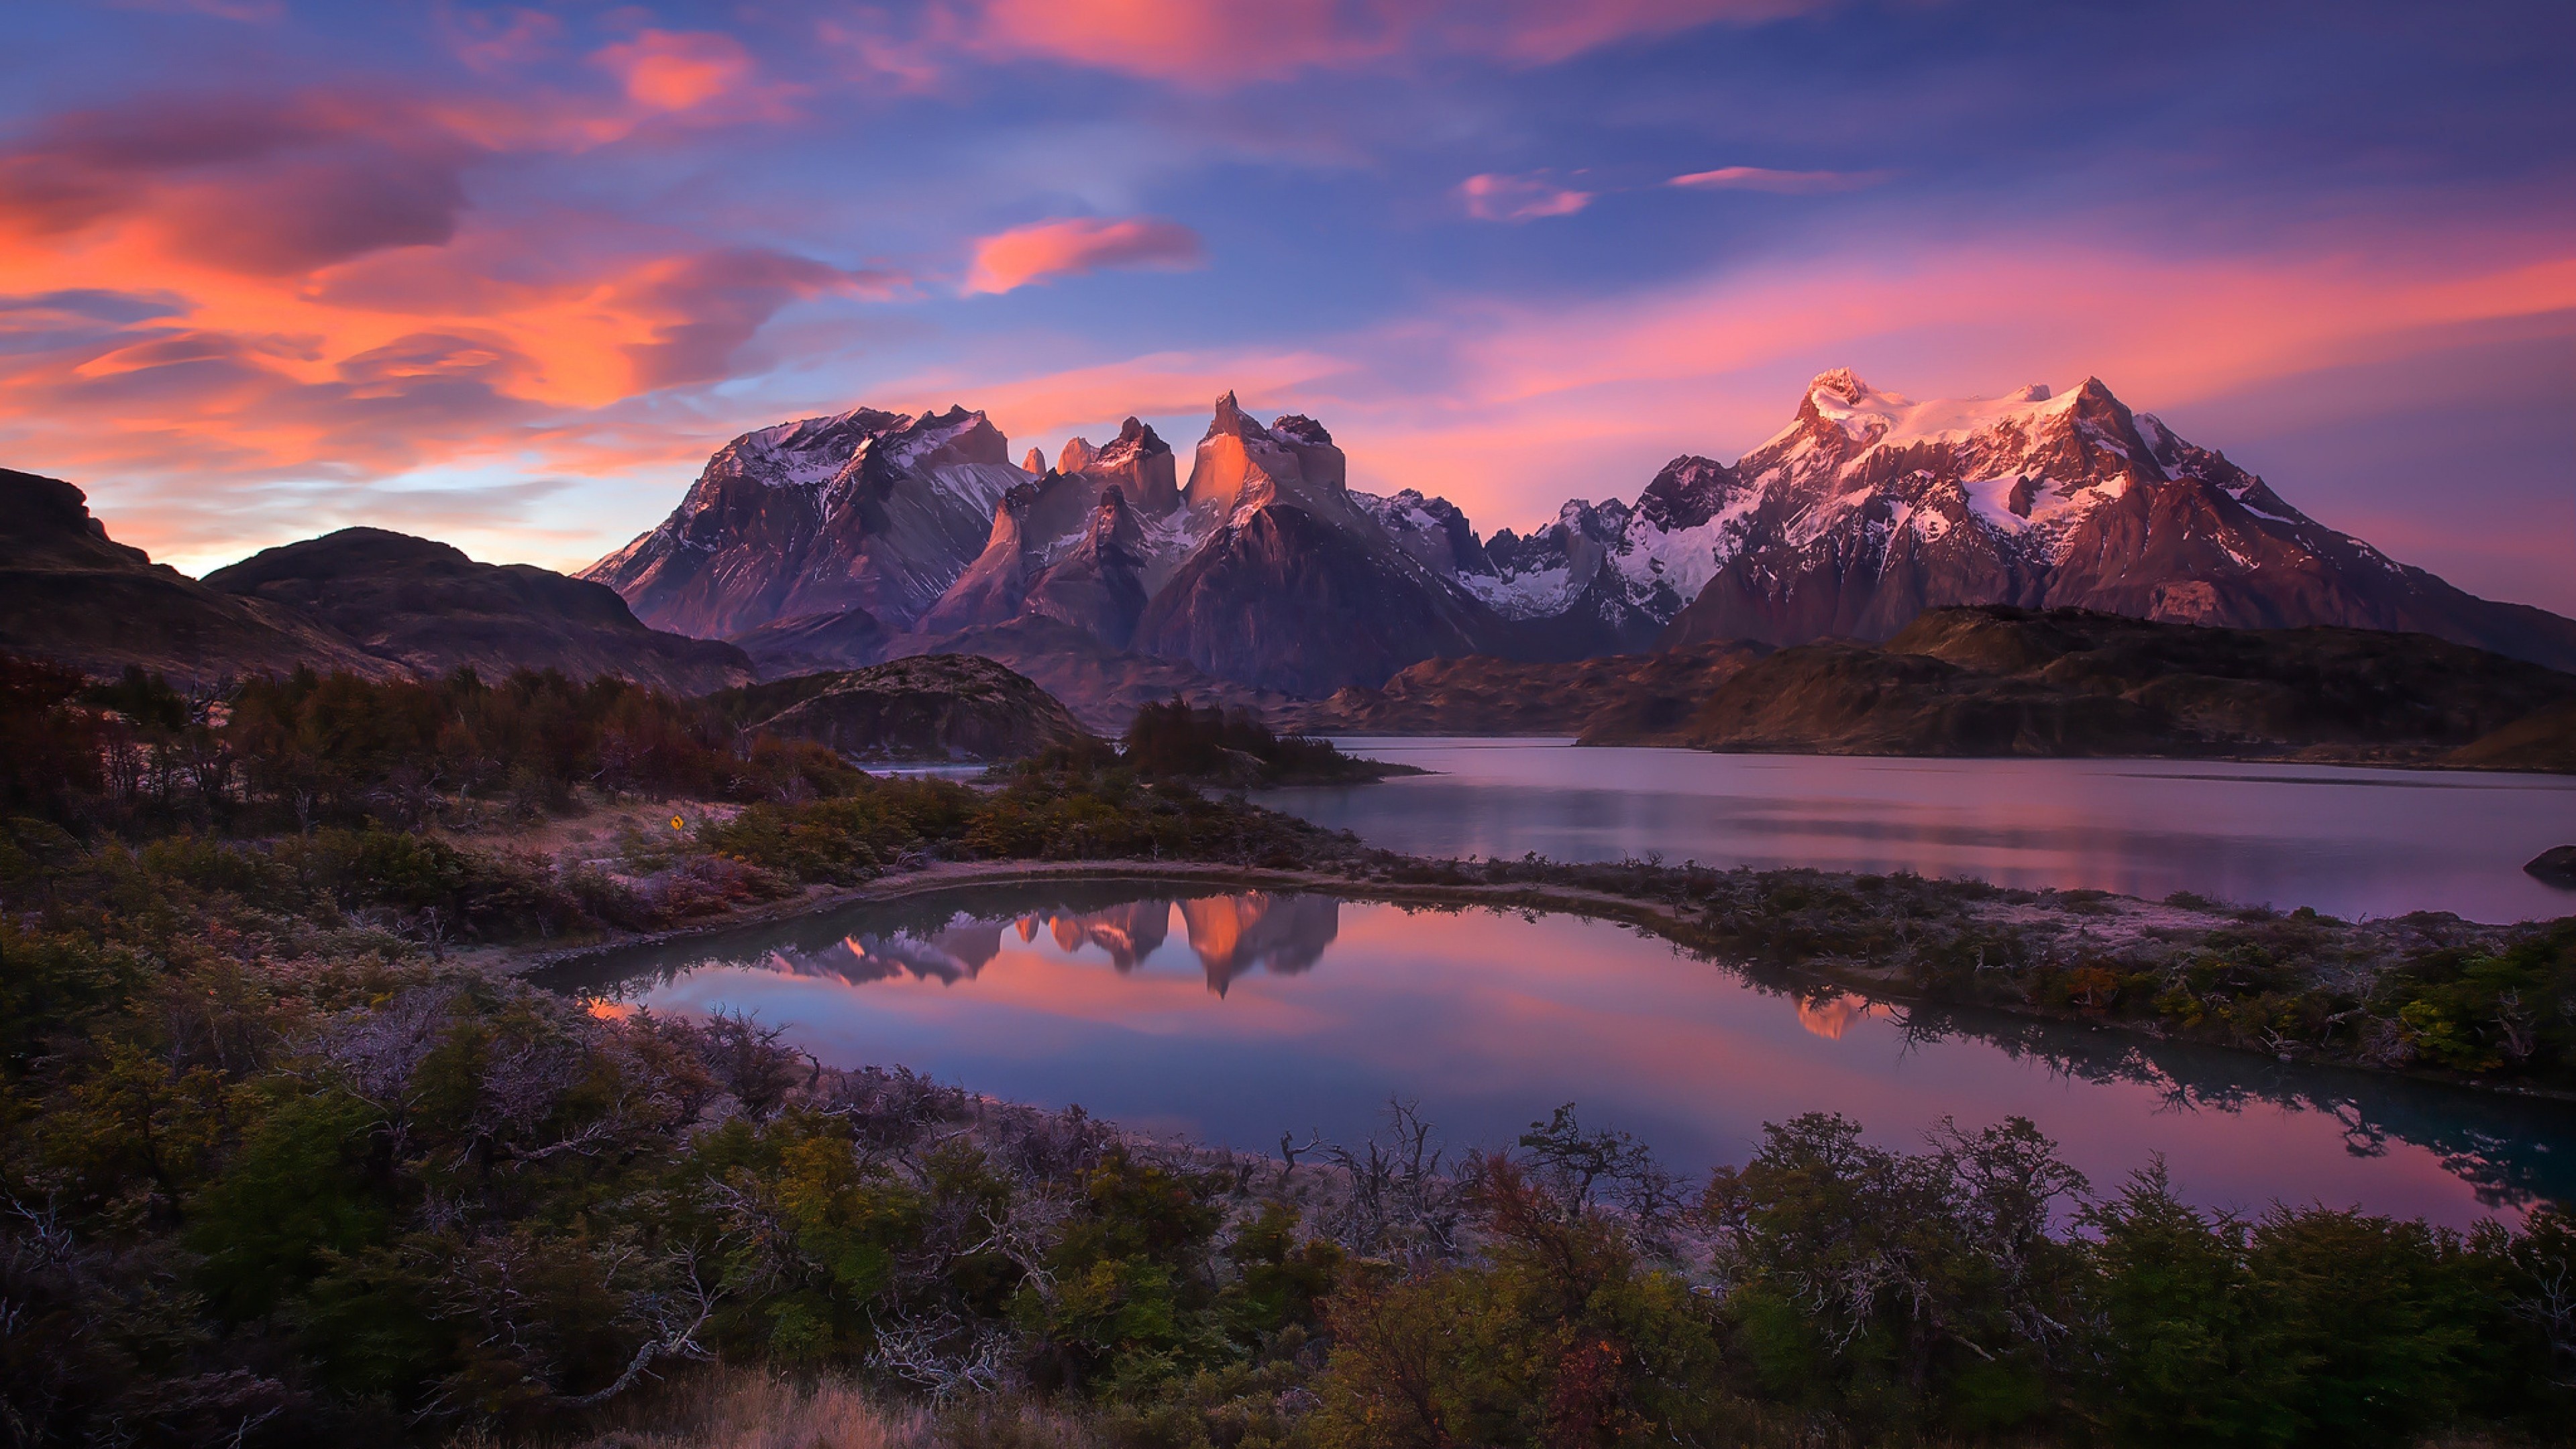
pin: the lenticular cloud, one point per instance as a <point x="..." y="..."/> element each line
<point x="1075" y="245"/>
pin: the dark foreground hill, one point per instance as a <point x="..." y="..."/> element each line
<point x="427" y="607"/>
<point x="376" y="604"/>
<point x="71" y="594"/>
<point x="2005" y="681"/>
<point x="940" y="706"/>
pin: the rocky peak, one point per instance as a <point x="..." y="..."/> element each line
<point x="1134" y="440"/>
<point x="1841" y="383"/>
<point x="1231" y="420"/>
<point x="1433" y="530"/>
<point x="46" y="517"/>
<point x="1035" y="463"/>
<point x="1298" y="428"/>
<point x="1137" y="462"/>
<point x="1238" y="462"/>
<point x="1687" y="493"/>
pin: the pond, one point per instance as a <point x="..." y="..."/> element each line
<point x="2349" y="842"/>
<point x="1235" y="1017"/>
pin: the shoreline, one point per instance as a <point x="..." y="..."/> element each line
<point x="1667" y="920"/>
<point x="2356" y="763"/>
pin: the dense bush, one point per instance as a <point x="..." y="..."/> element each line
<point x="1175" y="740"/>
<point x="309" y="749"/>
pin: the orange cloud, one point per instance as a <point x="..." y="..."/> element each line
<point x="1076" y="245"/>
<point x="1491" y="197"/>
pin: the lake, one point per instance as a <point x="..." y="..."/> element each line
<point x="1234" y="1017"/>
<point x="2349" y="842"/>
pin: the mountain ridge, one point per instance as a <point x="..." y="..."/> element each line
<point x="1267" y="569"/>
<point x="1994" y="680"/>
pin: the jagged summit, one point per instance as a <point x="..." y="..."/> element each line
<point x="1134" y="440"/>
<point x="1228" y="417"/>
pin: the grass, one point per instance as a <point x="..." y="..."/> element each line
<point x="719" y="1407"/>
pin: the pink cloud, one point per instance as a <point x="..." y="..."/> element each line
<point x="1027" y="254"/>
<point x="264" y="186"/>
<point x="1218" y="44"/>
<point x="1492" y="197"/>
<point x="667" y="70"/>
<point x="1763" y="178"/>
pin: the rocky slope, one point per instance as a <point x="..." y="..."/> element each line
<point x="428" y="608"/>
<point x="944" y="707"/>
<point x="71" y="594"/>
<point x="806" y="643"/>
<point x="1104" y="687"/>
<point x="2006" y="681"/>
<point x="1483" y="695"/>
<point x="867" y="509"/>
<point x="2544" y="740"/>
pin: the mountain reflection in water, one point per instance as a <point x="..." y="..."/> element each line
<point x="1236" y="1016"/>
<point x="1230" y="935"/>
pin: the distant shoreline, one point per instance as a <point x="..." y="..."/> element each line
<point x="2330" y="762"/>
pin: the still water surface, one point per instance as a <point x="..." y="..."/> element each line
<point x="1236" y="1017"/>
<point x="2350" y="842"/>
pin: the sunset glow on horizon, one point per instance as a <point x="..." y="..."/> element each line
<point x="505" y="275"/>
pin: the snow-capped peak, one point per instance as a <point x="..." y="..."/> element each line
<point x="1892" y="420"/>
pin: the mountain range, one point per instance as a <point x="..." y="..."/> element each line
<point x="840" y="541"/>
<point x="1262" y="579"/>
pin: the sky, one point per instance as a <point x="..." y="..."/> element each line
<point x="505" y="275"/>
